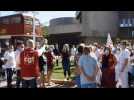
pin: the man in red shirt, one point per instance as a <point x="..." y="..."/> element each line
<point x="29" y="66"/>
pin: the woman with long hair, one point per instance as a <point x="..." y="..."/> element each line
<point x="66" y="61"/>
<point x="108" y="69"/>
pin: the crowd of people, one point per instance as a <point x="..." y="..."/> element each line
<point x="105" y="66"/>
<point x="96" y="66"/>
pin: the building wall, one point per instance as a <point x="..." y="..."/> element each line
<point x="99" y="23"/>
<point x="59" y="29"/>
<point x="64" y="25"/>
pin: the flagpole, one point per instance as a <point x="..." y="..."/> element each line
<point x="34" y="35"/>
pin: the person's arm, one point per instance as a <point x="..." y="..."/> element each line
<point x="89" y="78"/>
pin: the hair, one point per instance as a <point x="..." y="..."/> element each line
<point x="80" y="49"/>
<point x="107" y="48"/>
<point x="19" y="43"/>
<point x="30" y="43"/>
<point x="65" y="48"/>
<point x="87" y="48"/>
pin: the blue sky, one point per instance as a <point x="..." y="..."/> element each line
<point x="45" y="16"/>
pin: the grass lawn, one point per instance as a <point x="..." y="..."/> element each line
<point x="58" y="72"/>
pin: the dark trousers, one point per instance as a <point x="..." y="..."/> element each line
<point x="29" y="83"/>
<point x="66" y="67"/>
<point x="9" y="73"/>
<point x="18" y="80"/>
<point x="57" y="62"/>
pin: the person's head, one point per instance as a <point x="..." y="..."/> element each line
<point x="93" y="48"/>
<point x="65" y="48"/>
<point x="56" y="46"/>
<point x="86" y="50"/>
<point x="11" y="48"/>
<point x="49" y="49"/>
<point x="20" y="45"/>
<point x="46" y="41"/>
<point x="82" y="44"/>
<point x="30" y="44"/>
<point x="123" y="45"/>
<point x="80" y="49"/>
<point x="107" y="51"/>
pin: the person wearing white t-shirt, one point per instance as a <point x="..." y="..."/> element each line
<point x="117" y="53"/>
<point x="20" y="48"/>
<point x="9" y="65"/>
<point x="123" y="66"/>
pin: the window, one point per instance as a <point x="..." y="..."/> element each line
<point x="126" y="22"/>
<point x="5" y="21"/>
<point x="121" y="22"/>
<point x="133" y="21"/>
<point x="16" y="20"/>
<point x="129" y="22"/>
<point x="37" y="23"/>
<point x="28" y="21"/>
<point x="132" y="33"/>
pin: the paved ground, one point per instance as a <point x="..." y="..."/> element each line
<point x="56" y="84"/>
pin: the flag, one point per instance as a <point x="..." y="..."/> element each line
<point x="109" y="41"/>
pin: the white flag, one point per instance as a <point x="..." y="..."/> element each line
<point x="109" y="41"/>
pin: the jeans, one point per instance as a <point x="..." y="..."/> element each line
<point x="90" y="85"/>
<point x="9" y="73"/>
<point x="66" y="67"/>
<point x="29" y="83"/>
<point x="77" y="81"/>
<point x="18" y="80"/>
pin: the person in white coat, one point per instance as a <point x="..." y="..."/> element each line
<point x="123" y="66"/>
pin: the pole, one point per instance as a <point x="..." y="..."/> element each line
<point x="34" y="35"/>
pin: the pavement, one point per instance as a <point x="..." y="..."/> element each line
<point x="56" y="84"/>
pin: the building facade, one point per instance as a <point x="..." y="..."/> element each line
<point x="92" y="26"/>
<point x="64" y="30"/>
<point x="96" y="25"/>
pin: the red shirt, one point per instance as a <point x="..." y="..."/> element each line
<point x="29" y="63"/>
<point x="49" y="58"/>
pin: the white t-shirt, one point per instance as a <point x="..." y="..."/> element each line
<point x="10" y="57"/>
<point x="97" y="53"/>
<point x="73" y="51"/>
<point x="17" y="57"/>
<point x="125" y="54"/>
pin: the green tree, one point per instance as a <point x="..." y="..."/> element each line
<point x="45" y="31"/>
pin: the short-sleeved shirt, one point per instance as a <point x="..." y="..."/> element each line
<point x="125" y="54"/>
<point x="88" y="64"/>
<point x="10" y="57"/>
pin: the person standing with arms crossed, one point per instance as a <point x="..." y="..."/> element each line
<point x="88" y="70"/>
